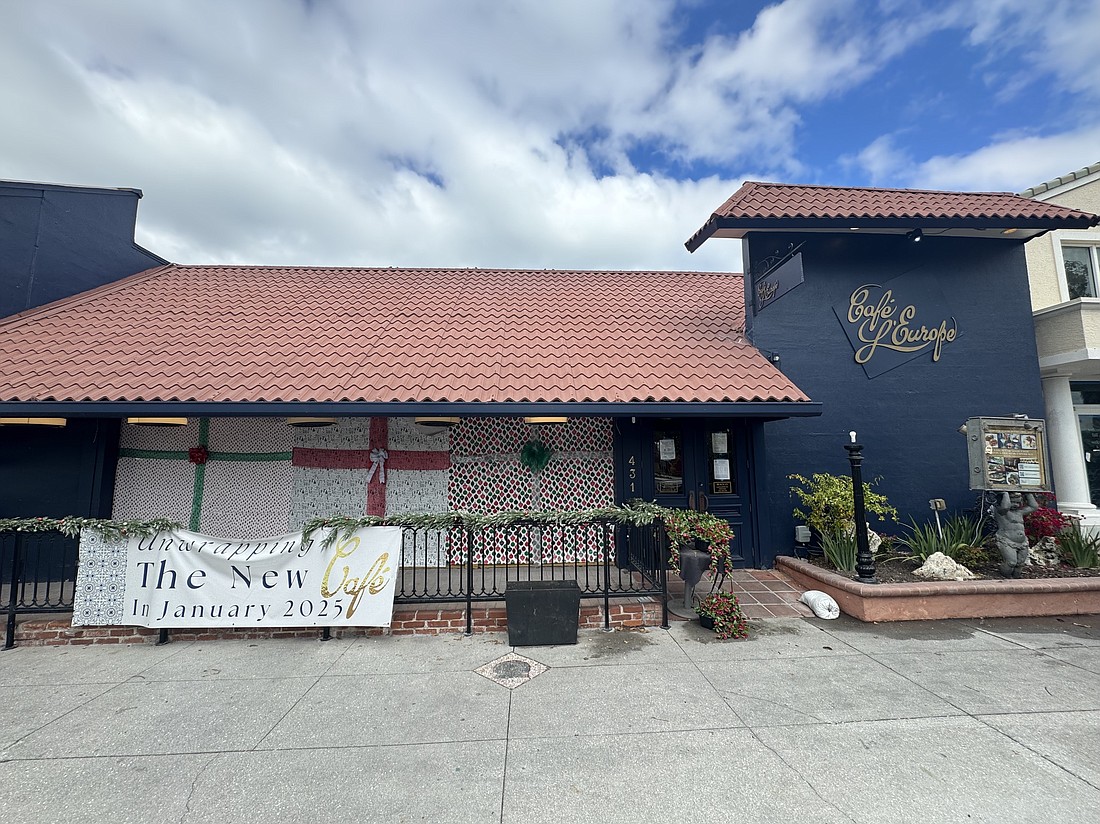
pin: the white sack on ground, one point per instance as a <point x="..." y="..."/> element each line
<point x="821" y="603"/>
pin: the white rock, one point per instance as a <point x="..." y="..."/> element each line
<point x="1045" y="553"/>
<point x="874" y="541"/>
<point x="939" y="567"/>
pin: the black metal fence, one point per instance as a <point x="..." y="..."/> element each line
<point x="37" y="575"/>
<point x="464" y="565"/>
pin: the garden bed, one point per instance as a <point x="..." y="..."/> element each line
<point x="914" y="599"/>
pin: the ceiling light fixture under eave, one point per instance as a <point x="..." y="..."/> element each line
<point x="310" y="423"/>
<point x="33" y="421"/>
<point x="437" y="421"/>
<point x="157" y="421"/>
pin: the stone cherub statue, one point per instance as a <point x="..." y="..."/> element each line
<point x="1011" y="536"/>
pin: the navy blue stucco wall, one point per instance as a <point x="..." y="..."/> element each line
<point x="53" y="472"/>
<point x="908" y="417"/>
<point x="56" y="241"/>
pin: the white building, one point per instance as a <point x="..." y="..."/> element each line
<point x="1064" y="272"/>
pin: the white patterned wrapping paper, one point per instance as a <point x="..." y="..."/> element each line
<point x="101" y="581"/>
<point x="246" y="499"/>
<point x="147" y="489"/>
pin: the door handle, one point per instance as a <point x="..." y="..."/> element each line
<point x="704" y="501"/>
<point x="691" y="499"/>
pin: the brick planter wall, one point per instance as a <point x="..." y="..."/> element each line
<point x="1015" y="598"/>
<point x="637" y="612"/>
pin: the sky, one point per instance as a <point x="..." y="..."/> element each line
<point x="564" y="134"/>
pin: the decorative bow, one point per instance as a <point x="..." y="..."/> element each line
<point x="378" y="461"/>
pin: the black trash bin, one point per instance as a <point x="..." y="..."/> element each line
<point x="541" y="613"/>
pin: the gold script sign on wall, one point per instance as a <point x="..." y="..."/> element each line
<point x="894" y="323"/>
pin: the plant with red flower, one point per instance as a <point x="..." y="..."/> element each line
<point x="1045" y="522"/>
<point x="724" y="611"/>
<point x="685" y="526"/>
<point x="198" y="455"/>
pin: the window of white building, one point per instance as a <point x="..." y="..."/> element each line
<point x="1082" y="262"/>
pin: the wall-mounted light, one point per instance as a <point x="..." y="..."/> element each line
<point x="916" y="236"/>
<point x="437" y="421"/>
<point x="310" y="423"/>
<point x="32" y="421"/>
<point x="541" y="419"/>
<point x="157" y="421"/>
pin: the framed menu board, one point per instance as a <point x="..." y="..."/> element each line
<point x="1007" y="454"/>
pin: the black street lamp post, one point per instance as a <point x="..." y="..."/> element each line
<point x="865" y="561"/>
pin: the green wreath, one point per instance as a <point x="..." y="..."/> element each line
<point x="535" y="455"/>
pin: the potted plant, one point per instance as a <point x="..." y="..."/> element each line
<point x="687" y="528"/>
<point x="721" y="612"/>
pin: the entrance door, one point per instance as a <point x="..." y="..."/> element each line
<point x="703" y="465"/>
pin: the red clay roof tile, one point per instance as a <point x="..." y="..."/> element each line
<point x="267" y="334"/>
<point x="755" y="204"/>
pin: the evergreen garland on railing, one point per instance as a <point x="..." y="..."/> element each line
<point x="633" y="514"/>
<point x="72" y="526"/>
<point x="636" y="513"/>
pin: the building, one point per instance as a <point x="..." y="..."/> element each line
<point x="878" y="264"/>
<point x="664" y="386"/>
<point x="1063" y="267"/>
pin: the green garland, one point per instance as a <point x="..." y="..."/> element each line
<point x="632" y="514"/>
<point x="72" y="526"/>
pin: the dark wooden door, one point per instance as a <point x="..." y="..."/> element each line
<point x="703" y="465"/>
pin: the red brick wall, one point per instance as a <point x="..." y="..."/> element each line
<point x="641" y="612"/>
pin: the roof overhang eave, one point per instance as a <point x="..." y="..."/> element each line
<point x="761" y="410"/>
<point x="1025" y="228"/>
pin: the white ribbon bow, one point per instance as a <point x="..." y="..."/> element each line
<point x="378" y="461"/>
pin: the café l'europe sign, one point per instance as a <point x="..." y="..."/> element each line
<point x="893" y="323"/>
<point x="777" y="280"/>
<point x="184" y="579"/>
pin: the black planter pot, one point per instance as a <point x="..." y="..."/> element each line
<point x="706" y="622"/>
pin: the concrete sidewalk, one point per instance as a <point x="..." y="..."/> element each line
<point x="808" y="720"/>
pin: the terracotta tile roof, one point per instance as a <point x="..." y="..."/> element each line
<point x="234" y="333"/>
<point x="779" y="205"/>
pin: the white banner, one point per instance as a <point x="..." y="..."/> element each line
<point x="184" y="579"/>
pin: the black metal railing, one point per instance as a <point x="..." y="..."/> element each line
<point x="37" y="575"/>
<point x="463" y="564"/>
<point x="606" y="559"/>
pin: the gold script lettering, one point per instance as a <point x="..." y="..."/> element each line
<point x="881" y="324"/>
<point x="766" y="290"/>
<point x="373" y="582"/>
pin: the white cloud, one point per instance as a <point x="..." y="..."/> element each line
<point x="1054" y="43"/>
<point x="1057" y="37"/>
<point x="439" y="133"/>
<point x="1010" y="164"/>
<point x="882" y="160"/>
<point x="403" y="134"/>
